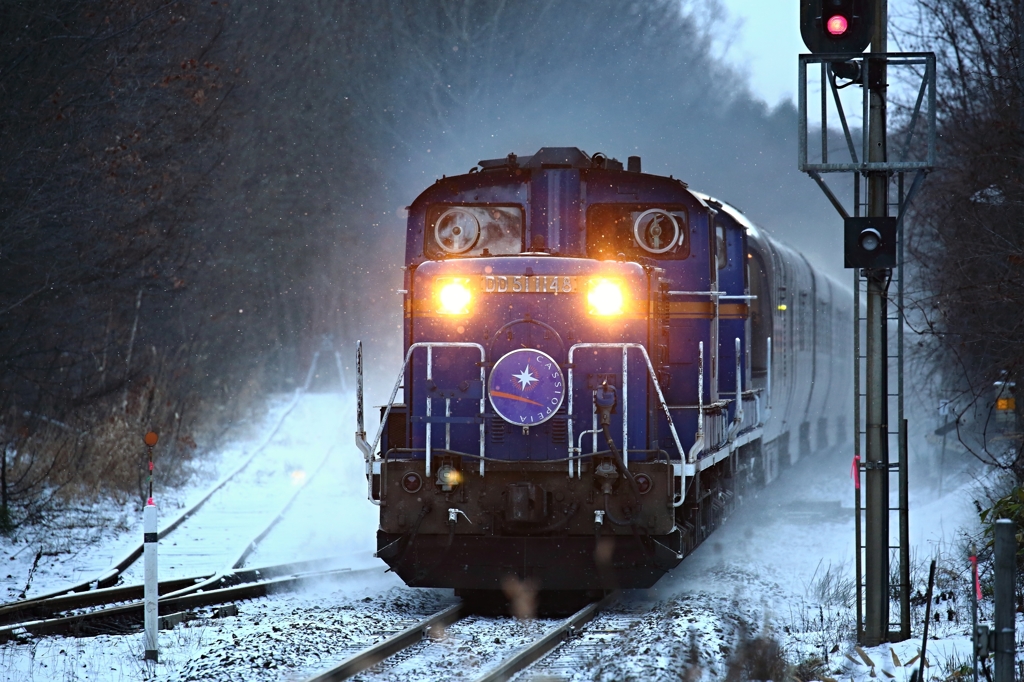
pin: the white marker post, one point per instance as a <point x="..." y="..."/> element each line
<point x="151" y="593"/>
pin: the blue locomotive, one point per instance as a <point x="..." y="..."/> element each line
<point x="599" y="362"/>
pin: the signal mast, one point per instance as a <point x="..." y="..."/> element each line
<point x="837" y="32"/>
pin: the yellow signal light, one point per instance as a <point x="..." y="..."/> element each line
<point x="1006" y="404"/>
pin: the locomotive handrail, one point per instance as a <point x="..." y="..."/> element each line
<point x="714" y="294"/>
<point x="697" y="293"/>
<point x="737" y="418"/>
<point x="367" y="449"/>
<point x="717" y="403"/>
<point x="698" y="442"/>
<point x="625" y="406"/>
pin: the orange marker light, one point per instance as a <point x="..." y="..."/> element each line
<point x="151" y="438"/>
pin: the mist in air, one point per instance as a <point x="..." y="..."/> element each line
<point x="397" y="94"/>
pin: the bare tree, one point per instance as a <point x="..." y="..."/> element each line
<point x="966" y="238"/>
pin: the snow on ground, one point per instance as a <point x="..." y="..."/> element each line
<point x="781" y="566"/>
<point x="289" y="637"/>
<point x="330" y="517"/>
<point x="785" y="559"/>
<point x="312" y="447"/>
<point x="83" y="542"/>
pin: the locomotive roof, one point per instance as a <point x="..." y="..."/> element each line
<point x="553" y="157"/>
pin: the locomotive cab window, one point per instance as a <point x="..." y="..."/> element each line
<point x="462" y="231"/>
<point x="721" y="252"/>
<point x="760" y="316"/>
<point x="637" y="230"/>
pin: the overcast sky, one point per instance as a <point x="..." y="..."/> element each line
<point x="767" y="42"/>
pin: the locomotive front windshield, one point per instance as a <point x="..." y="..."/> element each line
<point x="473" y="231"/>
<point x="637" y="230"/>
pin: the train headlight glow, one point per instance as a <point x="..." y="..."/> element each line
<point x="453" y="296"/>
<point x="605" y="298"/>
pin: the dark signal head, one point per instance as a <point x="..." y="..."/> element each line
<point x="837" y="26"/>
<point x="870" y="243"/>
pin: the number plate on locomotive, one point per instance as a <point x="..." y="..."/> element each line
<point x="529" y="284"/>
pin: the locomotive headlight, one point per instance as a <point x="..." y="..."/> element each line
<point x="453" y="296"/>
<point x="605" y="297"/>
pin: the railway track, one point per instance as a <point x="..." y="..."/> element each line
<point x="219" y="535"/>
<point x="64" y="612"/>
<point x="588" y="646"/>
<point x="121" y="608"/>
<point x="213" y="547"/>
<point x="124" y="568"/>
<point x="519" y="658"/>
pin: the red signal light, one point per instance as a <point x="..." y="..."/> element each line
<point x="837" y="25"/>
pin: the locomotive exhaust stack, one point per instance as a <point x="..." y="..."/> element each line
<point x="588" y="369"/>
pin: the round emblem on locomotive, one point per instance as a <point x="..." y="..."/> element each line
<point x="526" y="387"/>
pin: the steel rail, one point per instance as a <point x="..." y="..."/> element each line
<point x="254" y="544"/>
<point x="110" y="576"/>
<point x="389" y="647"/>
<point x="221" y="576"/>
<point x="551" y="639"/>
<point x="522" y="658"/>
<point x="49" y="608"/>
<point x="91" y="623"/>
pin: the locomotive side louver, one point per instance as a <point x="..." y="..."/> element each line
<point x="559" y="433"/>
<point x="497" y="429"/>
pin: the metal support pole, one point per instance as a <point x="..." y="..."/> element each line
<point x="876" y="477"/>
<point x="876" y="541"/>
<point x="974" y="610"/>
<point x="904" y="480"/>
<point x="1005" y="579"/>
<point x="150" y="592"/>
<point x="904" y="493"/>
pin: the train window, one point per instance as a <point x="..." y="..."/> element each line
<point x="635" y="230"/>
<point x="473" y="231"/>
<point x="760" y="317"/>
<point x="720" y="247"/>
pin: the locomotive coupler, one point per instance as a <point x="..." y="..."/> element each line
<point x="606" y="473"/>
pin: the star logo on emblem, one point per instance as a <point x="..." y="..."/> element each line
<point x="525" y="378"/>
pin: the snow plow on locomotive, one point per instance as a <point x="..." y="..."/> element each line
<point x="599" y="363"/>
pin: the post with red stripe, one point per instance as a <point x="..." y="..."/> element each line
<point x="150" y="592"/>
